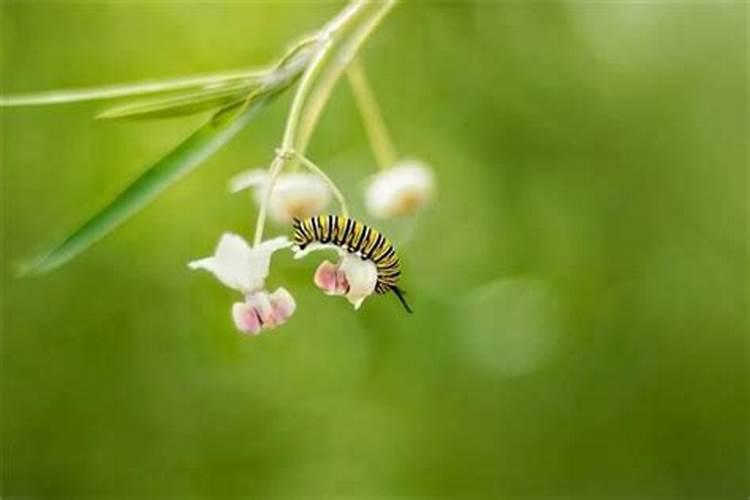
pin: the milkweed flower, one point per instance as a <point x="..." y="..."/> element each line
<point x="367" y="263"/>
<point x="351" y="277"/>
<point x="244" y="268"/>
<point x="294" y="195"/>
<point x="400" y="190"/>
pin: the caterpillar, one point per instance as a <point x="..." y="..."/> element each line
<point x="357" y="238"/>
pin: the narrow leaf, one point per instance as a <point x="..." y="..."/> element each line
<point x="190" y="153"/>
<point x="128" y="89"/>
<point x="180" y="104"/>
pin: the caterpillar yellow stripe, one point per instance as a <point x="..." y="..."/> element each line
<point x="357" y="238"/>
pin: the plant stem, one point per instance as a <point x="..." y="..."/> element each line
<point x="292" y="122"/>
<point x="328" y="36"/>
<point x="307" y="163"/>
<point x="328" y="81"/>
<point x="377" y="132"/>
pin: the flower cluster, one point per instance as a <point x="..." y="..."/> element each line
<point x="367" y="262"/>
<point x="399" y="191"/>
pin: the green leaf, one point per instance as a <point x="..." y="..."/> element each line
<point x="130" y="89"/>
<point x="182" y="104"/>
<point x="186" y="156"/>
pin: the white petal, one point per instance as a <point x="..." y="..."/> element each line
<point x="400" y="190"/>
<point x="297" y="195"/>
<point x="229" y="263"/>
<point x="247" y="179"/>
<point x="259" y="261"/>
<point x="270" y="246"/>
<point x="239" y="266"/>
<point x="356" y="302"/>
<point x="362" y="276"/>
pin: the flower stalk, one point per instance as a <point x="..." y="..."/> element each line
<point x="329" y="79"/>
<point x="307" y="163"/>
<point x="375" y="127"/>
<point x="306" y="109"/>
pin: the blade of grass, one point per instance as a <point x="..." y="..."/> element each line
<point x="179" y="104"/>
<point x="186" y="156"/>
<point x="128" y="89"/>
<point x="152" y="87"/>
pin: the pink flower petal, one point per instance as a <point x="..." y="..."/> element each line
<point x="326" y="277"/>
<point x="261" y="304"/>
<point x="283" y="305"/>
<point x="246" y="318"/>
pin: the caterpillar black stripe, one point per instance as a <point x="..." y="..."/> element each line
<point x="357" y="238"/>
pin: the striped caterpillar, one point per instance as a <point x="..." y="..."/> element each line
<point x="357" y="238"/>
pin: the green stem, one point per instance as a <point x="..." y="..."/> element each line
<point x="328" y="81"/>
<point x="377" y="132"/>
<point x="328" y="36"/>
<point x="292" y="122"/>
<point x="307" y="163"/>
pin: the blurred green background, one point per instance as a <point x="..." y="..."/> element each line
<point x="579" y="284"/>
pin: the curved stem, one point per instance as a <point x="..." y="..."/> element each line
<point x="328" y="36"/>
<point x="303" y="91"/>
<point x="307" y="163"/>
<point x="328" y="81"/>
<point x="372" y="118"/>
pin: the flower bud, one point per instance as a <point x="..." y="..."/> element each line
<point x="400" y="190"/>
<point x="298" y="195"/>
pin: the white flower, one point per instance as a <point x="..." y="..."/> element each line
<point x="352" y="277"/>
<point x="244" y="269"/>
<point x="400" y="190"/>
<point x="239" y="266"/>
<point x="298" y="195"/>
